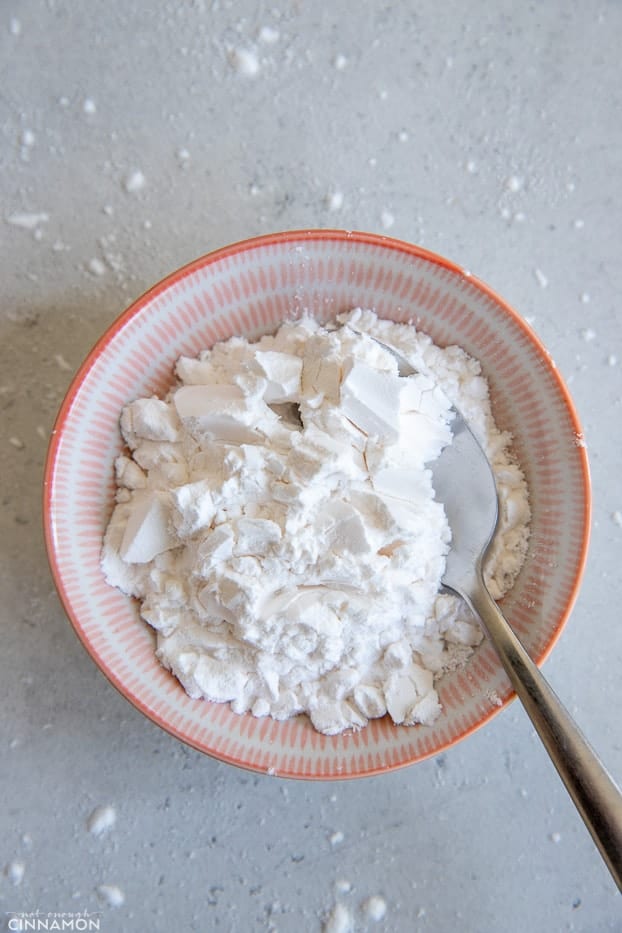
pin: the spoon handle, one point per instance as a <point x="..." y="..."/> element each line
<point x="594" y="792"/>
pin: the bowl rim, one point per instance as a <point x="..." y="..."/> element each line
<point x="215" y="256"/>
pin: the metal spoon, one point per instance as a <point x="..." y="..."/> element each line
<point x="471" y="507"/>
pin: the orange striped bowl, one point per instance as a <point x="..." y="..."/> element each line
<point x="249" y="288"/>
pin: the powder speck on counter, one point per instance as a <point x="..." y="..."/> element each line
<point x="514" y="183"/>
<point x="101" y="820"/>
<point x="269" y="35"/>
<point x="277" y="522"/>
<point x="336" y="838"/>
<point x="375" y="908"/>
<point x="96" y="266"/>
<point x="343" y="886"/>
<point x="340" y="62"/>
<point x="62" y="363"/>
<point x="540" y="278"/>
<point x="335" y="201"/>
<point x="134" y="182"/>
<point x="387" y="219"/>
<point x="15" y="872"/>
<point x="340" y="920"/>
<point x="244" y="61"/>
<point x="111" y="894"/>
<point x="89" y="106"/>
<point x="27" y="220"/>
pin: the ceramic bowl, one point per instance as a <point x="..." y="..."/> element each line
<point x="249" y="288"/>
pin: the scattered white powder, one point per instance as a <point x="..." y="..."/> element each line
<point x="340" y="62"/>
<point x="403" y="136"/>
<point x="96" y="266"/>
<point x="540" y="278"/>
<point x="340" y="920"/>
<point x="134" y="182"/>
<point x="28" y="138"/>
<point x="612" y="360"/>
<point x="584" y="297"/>
<point x="26" y="220"/>
<point x="375" y="908"/>
<point x="244" y="61"/>
<point x="514" y="183"/>
<point x="387" y="219"/>
<point x="15" y="26"/>
<point x="111" y="894"/>
<point x="343" y="886"/>
<point x="277" y="523"/>
<point x="89" y="106"/>
<point x="471" y="167"/>
<point x="335" y="201"/>
<point x="336" y="838"/>
<point x="617" y="518"/>
<point x="588" y="334"/>
<point x="556" y="838"/>
<point x="62" y="363"/>
<point x="101" y="820"/>
<point x="15" y="872"/>
<point x="269" y="35"/>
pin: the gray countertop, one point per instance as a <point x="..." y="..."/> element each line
<point x="135" y="137"/>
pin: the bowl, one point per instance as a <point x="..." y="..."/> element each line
<point x="248" y="289"/>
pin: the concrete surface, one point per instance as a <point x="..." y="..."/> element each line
<point x="490" y="132"/>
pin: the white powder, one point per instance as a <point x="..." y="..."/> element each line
<point x="335" y="201"/>
<point x="96" y="266"/>
<point x="101" y="820"/>
<point x="245" y="62"/>
<point x="269" y="35"/>
<point x="135" y="182"/>
<point x="15" y="871"/>
<point x="540" y="278"/>
<point x="375" y="908"/>
<point x="111" y="894"/>
<point x="26" y="220"/>
<point x="340" y="920"/>
<point x="276" y="520"/>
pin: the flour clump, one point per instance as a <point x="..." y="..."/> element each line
<point x="277" y="522"/>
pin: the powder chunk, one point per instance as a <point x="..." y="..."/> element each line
<point x="340" y="920"/>
<point x="147" y="532"/>
<point x="371" y="399"/>
<point x="15" y="871"/>
<point x="101" y="820"/>
<point x="375" y="908"/>
<point x="283" y="372"/>
<point x="111" y="894"/>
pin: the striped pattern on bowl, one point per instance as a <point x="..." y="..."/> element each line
<point x="250" y="288"/>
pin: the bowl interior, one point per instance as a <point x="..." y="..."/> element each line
<point x="250" y="288"/>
